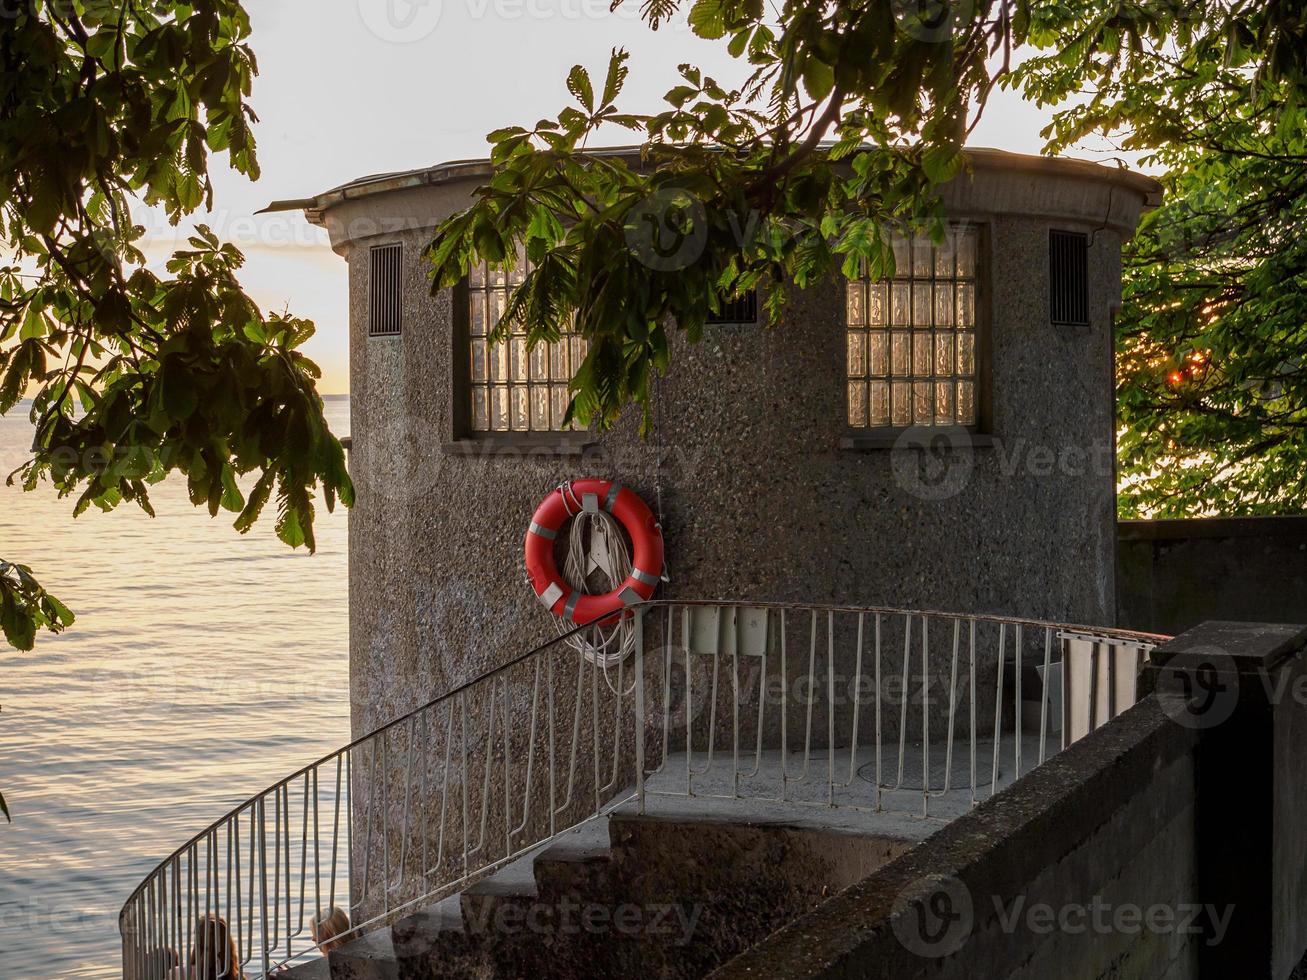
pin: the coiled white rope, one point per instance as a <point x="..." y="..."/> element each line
<point x="595" y="542"/>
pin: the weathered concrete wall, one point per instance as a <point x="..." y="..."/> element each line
<point x="1172" y="575"/>
<point x="1022" y="885"/>
<point x="1171" y="842"/>
<point x="759" y="499"/>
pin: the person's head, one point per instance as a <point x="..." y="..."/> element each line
<point x="161" y="960"/>
<point x="328" y="927"/>
<point x="215" y="956"/>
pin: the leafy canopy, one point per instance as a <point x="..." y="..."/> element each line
<point x="135" y="375"/>
<point x="733" y="188"/>
<point x="1212" y="383"/>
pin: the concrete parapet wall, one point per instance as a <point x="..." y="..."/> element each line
<point x="1109" y="824"/>
<point x="1172" y="575"/>
<point x="1171" y="842"/>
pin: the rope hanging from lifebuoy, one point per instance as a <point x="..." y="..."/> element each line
<point x="578" y="497"/>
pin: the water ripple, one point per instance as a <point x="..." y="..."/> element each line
<point x="203" y="666"/>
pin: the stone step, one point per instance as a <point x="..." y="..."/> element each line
<point x="370" y="957"/>
<point x="318" y="969"/>
<point x="578" y="865"/>
<point x="667" y="893"/>
<point x="513" y="885"/>
<point x="433" y="943"/>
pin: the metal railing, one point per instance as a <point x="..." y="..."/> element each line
<point x="905" y="714"/>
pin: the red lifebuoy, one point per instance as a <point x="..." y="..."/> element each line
<point x="634" y="515"/>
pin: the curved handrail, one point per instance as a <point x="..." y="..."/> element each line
<point x="404" y="729"/>
<point x="335" y="753"/>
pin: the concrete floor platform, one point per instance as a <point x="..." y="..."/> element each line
<point x="852" y="805"/>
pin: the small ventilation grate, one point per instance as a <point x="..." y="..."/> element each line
<point x="1068" y="278"/>
<point x="741" y="310"/>
<point x="386" y="290"/>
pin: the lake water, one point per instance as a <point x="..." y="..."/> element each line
<point x="202" y="667"/>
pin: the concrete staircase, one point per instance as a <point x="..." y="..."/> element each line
<point x="674" y="892"/>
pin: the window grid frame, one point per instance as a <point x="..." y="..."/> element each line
<point x="873" y="436"/>
<point x="467" y="386"/>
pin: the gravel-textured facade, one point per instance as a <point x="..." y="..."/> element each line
<point x="760" y="495"/>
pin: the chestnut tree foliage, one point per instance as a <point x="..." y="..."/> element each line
<point x="1212" y="338"/>
<point x="732" y="189"/>
<point x="133" y="374"/>
<point x="136" y="375"/>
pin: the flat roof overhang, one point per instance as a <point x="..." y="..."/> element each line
<point x="980" y="158"/>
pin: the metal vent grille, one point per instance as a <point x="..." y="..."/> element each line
<point x="385" y="290"/>
<point x="1068" y="278"/>
<point x="741" y="310"/>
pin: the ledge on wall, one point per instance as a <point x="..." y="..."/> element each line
<point x="1213" y="527"/>
<point x="534" y="444"/>
<point x="857" y="442"/>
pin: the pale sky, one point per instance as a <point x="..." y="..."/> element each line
<point x="355" y="87"/>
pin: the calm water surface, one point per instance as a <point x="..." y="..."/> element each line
<point x="203" y="666"/>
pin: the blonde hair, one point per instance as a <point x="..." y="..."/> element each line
<point x="327" y="926"/>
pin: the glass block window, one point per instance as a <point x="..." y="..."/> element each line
<point x="912" y="338"/>
<point x="513" y="389"/>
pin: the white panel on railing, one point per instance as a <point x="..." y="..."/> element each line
<point x="714" y="629"/>
<point x="1100" y="679"/>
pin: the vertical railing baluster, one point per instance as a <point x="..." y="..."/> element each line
<point x="317" y="844"/>
<point x="508" y="772"/>
<point x="444" y="786"/>
<point x="384" y="818"/>
<point x="1066" y="688"/>
<point x="785" y="711"/>
<point x="905" y="683"/>
<point x="925" y="715"/>
<point x="830" y="708"/>
<point x="952" y="707"/>
<point x="735" y="703"/>
<point x="689" y="704"/>
<point x="553" y="813"/>
<point x="998" y="705"/>
<point x="530" y="751"/>
<point x="810" y="688"/>
<point x="335" y="831"/>
<point x="1017" y="703"/>
<point x="1043" y="692"/>
<point x="856" y="690"/>
<point x="462" y="700"/>
<point x="263" y="881"/>
<point x="1093" y="686"/>
<point x="879" y="778"/>
<point x="639" y="710"/>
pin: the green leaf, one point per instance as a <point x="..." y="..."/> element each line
<point x="708" y="19"/>
<point x="615" y="77"/>
<point x="681" y="94"/>
<point x="941" y="163"/>
<point x="578" y="83"/>
<point x="818" y="79"/>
